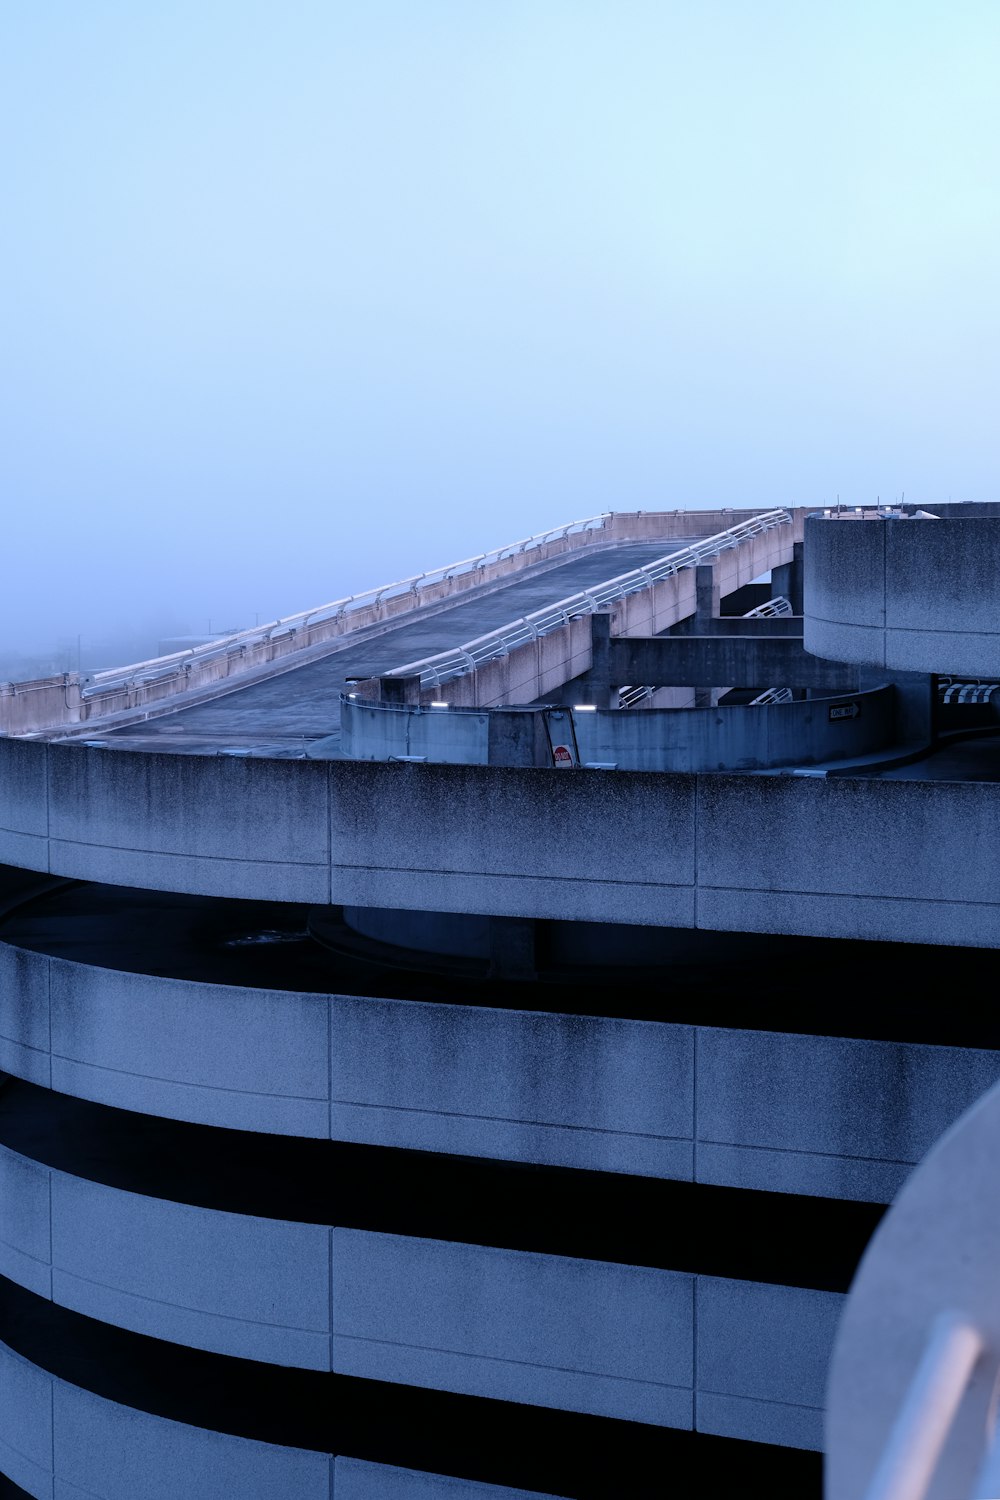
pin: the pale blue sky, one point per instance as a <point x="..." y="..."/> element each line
<point x="300" y="297"/>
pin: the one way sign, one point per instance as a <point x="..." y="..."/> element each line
<point x="845" y="711"/>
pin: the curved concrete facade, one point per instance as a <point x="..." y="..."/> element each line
<point x="57" y="1439"/>
<point x="913" y="861"/>
<point x="907" y="595"/>
<point x="827" y="1116"/>
<point x="550" y="1330"/>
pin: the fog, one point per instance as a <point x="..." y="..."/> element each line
<point x="298" y="299"/>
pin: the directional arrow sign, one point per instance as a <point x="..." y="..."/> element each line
<point x="845" y="711"/>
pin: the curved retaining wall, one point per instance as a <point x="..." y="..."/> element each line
<point x="909" y="595"/>
<point x="828" y="1116"/>
<point x="57" y="1439"/>
<point x="860" y="858"/>
<point x="656" y="739"/>
<point x="555" y="1331"/>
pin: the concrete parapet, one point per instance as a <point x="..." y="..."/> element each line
<point x="910" y="595"/>
<point x="549" y="1330"/>
<point x="846" y="857"/>
<point x="57" y="1440"/>
<point x="592" y="1092"/>
<point x="751" y="737"/>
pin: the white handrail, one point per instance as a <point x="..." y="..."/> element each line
<point x="436" y="670"/>
<point x="159" y="665"/>
<point x="919" y="1433"/>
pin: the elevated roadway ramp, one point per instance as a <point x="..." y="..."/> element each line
<point x="283" y="714"/>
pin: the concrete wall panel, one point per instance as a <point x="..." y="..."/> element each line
<point x="178" y="822"/>
<point x="908" y="595"/>
<point x="515" y="842"/>
<point x="860" y="858"/>
<point x="838" y="1116"/>
<point x="778" y="1359"/>
<point x="25" y="1424"/>
<point x="780" y="854"/>
<point x="25" y="1242"/>
<point x="113" y="1452"/>
<point x="544" y="1329"/>
<point x="356" y="1480"/>
<point x="776" y="1111"/>
<point x="248" y="1059"/>
<point x="24" y="1015"/>
<point x="24" y="807"/>
<point x="577" y="1091"/>
<point x="256" y="1288"/>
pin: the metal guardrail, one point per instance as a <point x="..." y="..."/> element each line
<point x="910" y="1459"/>
<point x="773" y="609"/>
<point x="161" y="666"/>
<point x="437" y="670"/>
<point x="772" y="695"/>
<point x="967" y="692"/>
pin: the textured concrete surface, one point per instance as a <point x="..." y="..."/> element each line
<point x="915" y="596"/>
<point x="838" y="857"/>
<point x="356" y="1480"/>
<point x="251" y="1287"/>
<point x="934" y="1255"/>
<point x="577" y="1091"/>
<point x="776" y="1111"/>
<point x="832" y="1116"/>
<point x="59" y="1442"/>
<point x="104" y="1449"/>
<point x="549" y="1330"/>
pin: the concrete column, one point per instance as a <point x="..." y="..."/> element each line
<point x="399" y="689"/>
<point x="597" y="684"/>
<point x="706" y="593"/>
<point x="786" y="581"/>
<point x="707" y="605"/>
<point x="914" y="702"/>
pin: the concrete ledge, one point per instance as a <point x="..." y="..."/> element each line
<point x="814" y="856"/>
<point x="593" y="1092"/>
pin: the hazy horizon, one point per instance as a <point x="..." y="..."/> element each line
<point x="298" y="301"/>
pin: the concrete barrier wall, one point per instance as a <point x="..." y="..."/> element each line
<point x="542" y="665"/>
<point x="546" y="1330"/>
<point x="828" y="1116"/>
<point x="897" y="860"/>
<point x="908" y="595"/>
<point x="48" y="703"/>
<point x="58" y="1440"/>
<point x="653" y="739"/>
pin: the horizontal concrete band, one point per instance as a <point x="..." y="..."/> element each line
<point x="728" y="1232"/>
<point x="553" y="1331"/>
<point x="57" y="1439"/>
<point x="907" y="595"/>
<point x="833" y="858"/>
<point x="839" y="1117"/>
